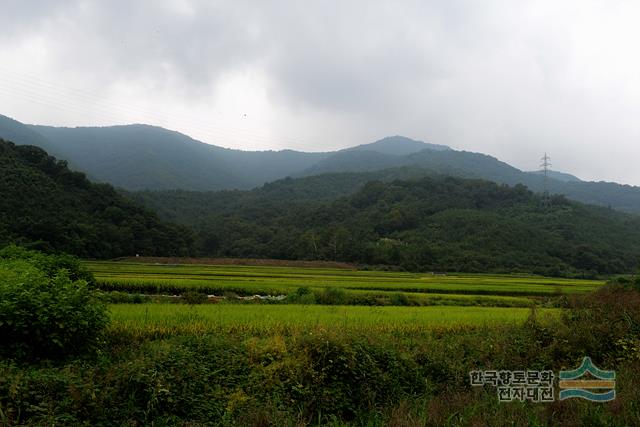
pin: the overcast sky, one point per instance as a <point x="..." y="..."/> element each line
<point x="508" y="78"/>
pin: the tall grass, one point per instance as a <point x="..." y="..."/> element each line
<point x="168" y="319"/>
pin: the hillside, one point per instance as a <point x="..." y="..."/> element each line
<point x="274" y="198"/>
<point x="558" y="176"/>
<point x="13" y="130"/>
<point x="137" y="157"/>
<point x="476" y="165"/>
<point x="433" y="223"/>
<point x="141" y="157"/>
<point x="45" y="205"/>
<point x="149" y="157"/>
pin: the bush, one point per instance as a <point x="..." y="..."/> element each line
<point x="117" y="297"/>
<point x="302" y="295"/>
<point x="399" y="298"/>
<point x="332" y="296"/>
<point x="193" y="297"/>
<point x="46" y="315"/>
<point x="49" y="264"/>
<point x="598" y="324"/>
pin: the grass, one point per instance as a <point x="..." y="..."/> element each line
<point x="249" y="280"/>
<point x="169" y="319"/>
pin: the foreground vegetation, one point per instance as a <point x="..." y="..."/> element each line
<point x="326" y="375"/>
<point x="293" y="365"/>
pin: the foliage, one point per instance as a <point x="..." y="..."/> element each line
<point x="192" y="297"/>
<point x="44" y="313"/>
<point x="46" y="206"/>
<point x="313" y="376"/>
<point x="606" y="322"/>
<point x="226" y="364"/>
<point x="430" y="224"/>
<point x="49" y="264"/>
<point x="301" y="295"/>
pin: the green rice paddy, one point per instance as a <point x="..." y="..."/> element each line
<point x="250" y="280"/>
<point x="168" y="319"/>
<point x="446" y="301"/>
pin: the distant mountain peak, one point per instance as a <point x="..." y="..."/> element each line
<point x="141" y="156"/>
<point x="398" y="145"/>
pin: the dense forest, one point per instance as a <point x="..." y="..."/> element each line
<point x="45" y="205"/>
<point x="434" y="223"/>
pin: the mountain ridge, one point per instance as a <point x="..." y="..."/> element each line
<point x="145" y="157"/>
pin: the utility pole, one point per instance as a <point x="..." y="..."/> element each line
<point x="545" y="165"/>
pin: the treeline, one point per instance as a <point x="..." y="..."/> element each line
<point x="430" y="224"/>
<point x="46" y="206"/>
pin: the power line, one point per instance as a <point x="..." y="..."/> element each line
<point x="546" y="165"/>
<point x="40" y="91"/>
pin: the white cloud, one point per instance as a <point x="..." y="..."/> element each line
<point x="512" y="79"/>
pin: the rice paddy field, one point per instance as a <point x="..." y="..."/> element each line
<point x="193" y="345"/>
<point x="250" y="280"/>
<point x="443" y="301"/>
<point x="160" y="320"/>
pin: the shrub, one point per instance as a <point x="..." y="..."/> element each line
<point x="49" y="264"/>
<point x="598" y="323"/>
<point x="302" y="295"/>
<point x="117" y="297"/>
<point x="193" y="297"/>
<point x="332" y="296"/>
<point x="399" y="298"/>
<point x="45" y="314"/>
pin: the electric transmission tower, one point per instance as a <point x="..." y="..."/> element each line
<point x="544" y="166"/>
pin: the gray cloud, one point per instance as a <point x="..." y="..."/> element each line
<point x="512" y="79"/>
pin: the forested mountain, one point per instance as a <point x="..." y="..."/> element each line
<point x="188" y="207"/>
<point x="46" y="206"/>
<point x="386" y="217"/>
<point x="475" y="165"/>
<point x="398" y="146"/>
<point x="432" y="223"/>
<point x="139" y="157"/>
